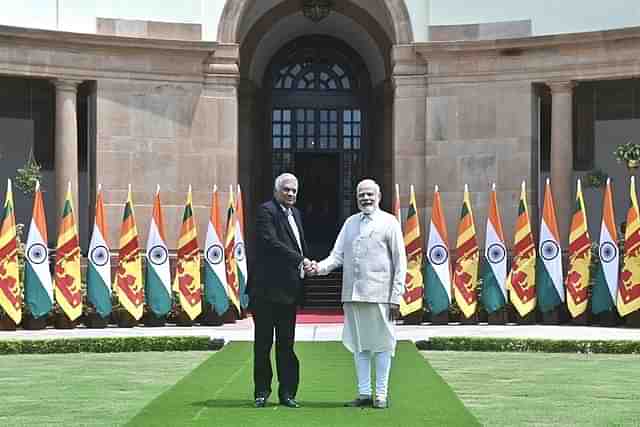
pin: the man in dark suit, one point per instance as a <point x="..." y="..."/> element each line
<point x="277" y="290"/>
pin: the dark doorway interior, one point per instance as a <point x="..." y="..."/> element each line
<point x="318" y="199"/>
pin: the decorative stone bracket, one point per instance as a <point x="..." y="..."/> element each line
<point x="225" y="60"/>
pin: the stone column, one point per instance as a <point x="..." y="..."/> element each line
<point x="66" y="142"/>
<point x="562" y="154"/>
<point x="408" y="152"/>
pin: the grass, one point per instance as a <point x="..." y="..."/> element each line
<point x="219" y="393"/>
<point x="86" y="389"/>
<point x="534" y="389"/>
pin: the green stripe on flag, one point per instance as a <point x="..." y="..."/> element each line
<point x="156" y="295"/>
<point x="492" y="297"/>
<point x="214" y="293"/>
<point x="98" y="294"/>
<point x="601" y="300"/>
<point x="187" y="213"/>
<point x="242" y="281"/>
<point x="67" y="208"/>
<point x="36" y="298"/>
<point x="546" y="293"/>
<point x="436" y="295"/>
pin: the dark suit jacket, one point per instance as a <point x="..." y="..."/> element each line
<point x="276" y="274"/>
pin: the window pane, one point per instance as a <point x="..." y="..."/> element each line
<point x="300" y="115"/>
<point x="277" y="143"/>
<point x="309" y="115"/>
<point x="310" y="127"/>
<point x="346" y="84"/>
<point x="288" y="82"/>
<point x="300" y="129"/>
<point x="277" y="129"/>
<point x="310" y="143"/>
<point x="300" y="142"/>
<point x="286" y="115"/>
<point x="332" y="84"/>
<point x="356" y="143"/>
<point x="276" y="115"/>
<point x="302" y="84"/>
<point x="323" y="142"/>
<point x="356" y="115"/>
<point x="356" y="129"/>
<point x="333" y="142"/>
<point x="346" y="129"/>
<point x="333" y="129"/>
<point x="333" y="115"/>
<point x="347" y="143"/>
<point x="323" y="115"/>
<point x="324" y="129"/>
<point x="286" y="130"/>
<point x="346" y="115"/>
<point x="286" y="142"/>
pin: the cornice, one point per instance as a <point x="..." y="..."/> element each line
<point x="76" y="40"/>
<point x="515" y="46"/>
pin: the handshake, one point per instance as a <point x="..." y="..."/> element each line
<point x="310" y="267"/>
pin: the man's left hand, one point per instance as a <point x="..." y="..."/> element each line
<point x="394" y="312"/>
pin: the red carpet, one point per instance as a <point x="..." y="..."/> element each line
<point x="319" y="316"/>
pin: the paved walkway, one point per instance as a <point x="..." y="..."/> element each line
<point x="243" y="331"/>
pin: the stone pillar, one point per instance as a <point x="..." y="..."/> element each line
<point x="562" y="154"/>
<point x="66" y="142"/>
<point x="408" y="152"/>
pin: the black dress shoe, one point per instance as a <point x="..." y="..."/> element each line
<point x="261" y="401"/>
<point x="289" y="402"/>
<point x="359" y="402"/>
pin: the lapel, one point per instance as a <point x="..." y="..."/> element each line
<point x="287" y="226"/>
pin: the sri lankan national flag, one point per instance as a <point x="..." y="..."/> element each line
<point x="128" y="284"/>
<point x="68" y="287"/>
<point x="229" y="253"/>
<point x="10" y="292"/>
<point x="521" y="280"/>
<point x="578" y="276"/>
<point x="414" y="286"/>
<point x="187" y="281"/>
<point x="629" y="288"/>
<point x="465" y="273"/>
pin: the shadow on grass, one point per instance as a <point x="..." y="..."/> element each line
<point x="241" y="403"/>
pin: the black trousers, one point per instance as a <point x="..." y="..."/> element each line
<point x="269" y="316"/>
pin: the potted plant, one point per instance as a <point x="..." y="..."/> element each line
<point x="628" y="153"/>
<point x="27" y="176"/>
<point x="594" y="179"/>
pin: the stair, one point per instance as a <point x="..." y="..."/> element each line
<point x="323" y="292"/>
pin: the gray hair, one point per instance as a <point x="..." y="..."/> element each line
<point x="277" y="185"/>
<point x="368" y="182"/>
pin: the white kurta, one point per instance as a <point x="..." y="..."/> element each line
<point x="370" y="249"/>
<point x="367" y="328"/>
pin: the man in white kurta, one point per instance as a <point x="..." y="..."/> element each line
<point x="370" y="248"/>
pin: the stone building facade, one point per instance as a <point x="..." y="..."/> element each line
<point x="156" y="105"/>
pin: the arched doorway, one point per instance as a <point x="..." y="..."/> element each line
<point x="318" y="98"/>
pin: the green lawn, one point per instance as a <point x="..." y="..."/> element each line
<point x="500" y="389"/>
<point x="219" y="393"/>
<point x="537" y="389"/>
<point x="86" y="389"/>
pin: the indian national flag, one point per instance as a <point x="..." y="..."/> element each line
<point x="549" y="286"/>
<point x="157" y="284"/>
<point x="229" y="254"/>
<point x="10" y="292"/>
<point x="521" y="280"/>
<point x="629" y="285"/>
<point x="68" y="287"/>
<point x="38" y="286"/>
<point x="215" y="279"/>
<point x="605" y="287"/>
<point x="438" y="269"/>
<point x="241" y="255"/>
<point x="396" y="205"/>
<point x="99" y="266"/>
<point x="128" y="284"/>
<point x="414" y="286"/>
<point x="578" y="276"/>
<point x="187" y="281"/>
<point x="494" y="276"/>
<point x="465" y="273"/>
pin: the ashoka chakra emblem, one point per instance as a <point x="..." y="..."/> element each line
<point x="239" y="251"/>
<point x="608" y="252"/>
<point x="549" y="250"/>
<point x="158" y="255"/>
<point x="438" y="255"/>
<point x="215" y="254"/>
<point x="37" y="253"/>
<point x="99" y="256"/>
<point x="496" y="253"/>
